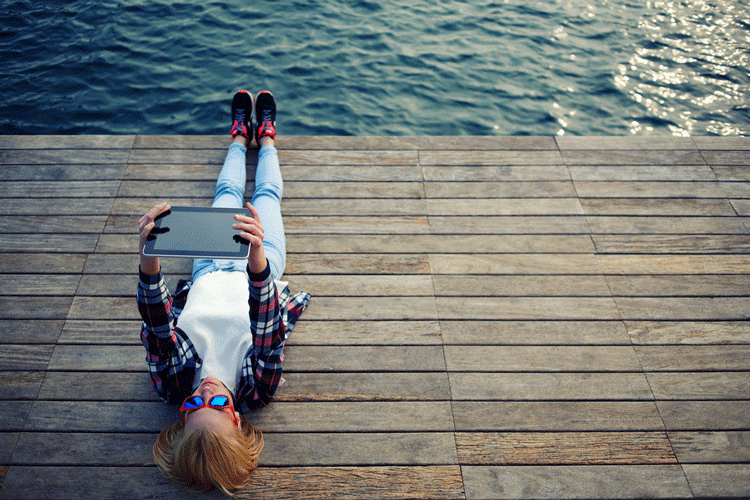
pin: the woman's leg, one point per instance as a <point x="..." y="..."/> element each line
<point x="230" y="193"/>
<point x="267" y="201"/>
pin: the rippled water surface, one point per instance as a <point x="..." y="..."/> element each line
<point x="393" y="67"/>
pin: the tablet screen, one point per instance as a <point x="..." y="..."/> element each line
<point x="197" y="232"/>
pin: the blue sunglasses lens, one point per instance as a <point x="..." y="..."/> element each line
<point x="197" y="402"/>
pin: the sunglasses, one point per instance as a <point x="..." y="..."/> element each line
<point x="219" y="402"/>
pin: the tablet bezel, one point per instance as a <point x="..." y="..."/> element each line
<point x="243" y="246"/>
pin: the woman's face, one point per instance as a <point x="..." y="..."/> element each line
<point x="214" y="419"/>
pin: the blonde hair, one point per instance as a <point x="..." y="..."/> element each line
<point x="204" y="459"/>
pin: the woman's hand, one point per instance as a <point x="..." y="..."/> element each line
<point x="149" y="265"/>
<point x="251" y="229"/>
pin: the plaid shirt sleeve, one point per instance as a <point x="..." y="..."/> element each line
<point x="170" y="356"/>
<point x="272" y="317"/>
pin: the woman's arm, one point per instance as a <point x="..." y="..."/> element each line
<point x="149" y="265"/>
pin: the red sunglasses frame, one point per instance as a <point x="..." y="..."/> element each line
<point x="207" y="403"/>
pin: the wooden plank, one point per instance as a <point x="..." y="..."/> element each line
<point x="348" y="157"/>
<point x="298" y="358"/>
<point x="74" y="482"/>
<point x="705" y="415"/>
<point x="375" y="416"/>
<point x="510" y="206"/>
<point x="364" y="358"/>
<point x="711" y="447"/>
<point x="722" y="142"/>
<point x="693" y="357"/>
<point x="709" y="385"/>
<point x="358" y="332"/>
<point x="61" y="172"/>
<point x="20" y="307"/>
<point x="534" y="332"/>
<point x="539" y="386"/>
<point x="52" y="189"/>
<point x="357" y="225"/>
<point x="114" y="416"/>
<point x="332" y="142"/>
<point x="683" y="308"/>
<point x="25" y="357"/>
<point x="671" y="244"/>
<point x="630" y="142"/>
<point x="632" y="157"/>
<point x="489" y="158"/>
<point x="397" y="243"/>
<point x="296" y="207"/>
<point x="99" y="331"/>
<point x="527" y="308"/>
<point x="292" y="449"/>
<point x="556" y="416"/>
<point x="642" y="173"/>
<point x="38" y="284"/>
<point x="673" y="264"/>
<point x="59" y="206"/>
<point x="372" y="308"/>
<point x="713" y="285"/>
<point x="731" y="172"/>
<point x="569" y="224"/>
<point x="321" y="173"/>
<point x="102" y="386"/>
<point x="541" y="358"/>
<point x="686" y="332"/>
<point x="358" y="449"/>
<point x="314" y="224"/>
<point x="332" y="264"/>
<point x="62" y="156"/>
<point x="718" y="480"/>
<point x="635" y="189"/>
<point x="520" y="189"/>
<point x="464" y="173"/>
<point x="18" y="385"/>
<point x="322" y="285"/>
<point x="726" y="157"/>
<point x="172" y="156"/>
<point x="658" y="206"/>
<point x="573" y="481"/>
<point x="444" y="243"/>
<point x="515" y="263"/>
<point x="292" y="189"/>
<point x="31" y="331"/>
<point x="13" y="415"/>
<point x="520" y="286"/>
<point x="86" y="449"/>
<point x="564" y="448"/>
<point x="666" y="225"/>
<point x="32" y="243"/>
<point x="67" y="141"/>
<point x="7" y="444"/>
<point x="344" y="332"/>
<point x="742" y="207"/>
<point x="364" y="386"/>
<point x="355" y="483"/>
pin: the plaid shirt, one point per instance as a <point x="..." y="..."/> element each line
<point x="172" y="359"/>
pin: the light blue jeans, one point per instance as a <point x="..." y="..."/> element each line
<point x="230" y="193"/>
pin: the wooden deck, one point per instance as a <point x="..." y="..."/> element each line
<point x="492" y="317"/>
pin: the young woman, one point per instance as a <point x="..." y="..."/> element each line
<point x="215" y="348"/>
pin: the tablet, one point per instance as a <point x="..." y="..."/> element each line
<point x="197" y="232"/>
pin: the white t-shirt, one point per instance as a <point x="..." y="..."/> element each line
<point x="216" y="319"/>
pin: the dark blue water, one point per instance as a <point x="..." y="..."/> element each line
<point x="401" y="67"/>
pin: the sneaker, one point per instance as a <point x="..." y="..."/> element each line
<point x="242" y="112"/>
<point x="265" y="114"/>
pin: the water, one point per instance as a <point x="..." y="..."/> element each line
<point x="394" y="67"/>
